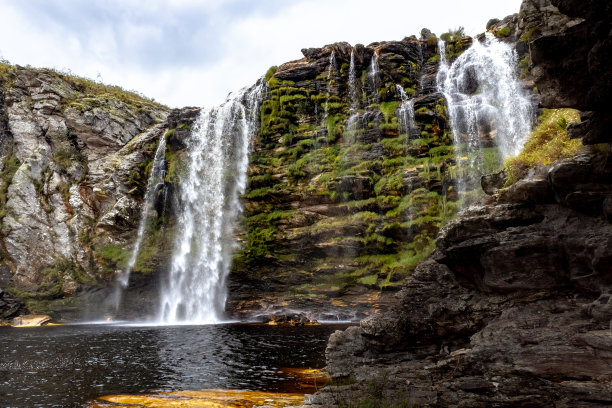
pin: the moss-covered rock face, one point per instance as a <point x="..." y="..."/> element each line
<point x="74" y="161"/>
<point x="338" y="213"/>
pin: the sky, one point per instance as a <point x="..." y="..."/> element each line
<point x="194" y="52"/>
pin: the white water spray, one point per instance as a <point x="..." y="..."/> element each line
<point x="405" y="113"/>
<point x="485" y="100"/>
<point x="330" y="72"/>
<point x="351" y="124"/>
<point x="218" y="149"/>
<point x="374" y="78"/>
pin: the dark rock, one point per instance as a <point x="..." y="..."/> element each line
<point x="514" y="308"/>
<point x="492" y="22"/>
<point x="375" y="152"/>
<point x="527" y="191"/>
<point x="10" y="306"/>
<point x="491" y="183"/>
<point x="181" y="121"/>
<point x="425" y="33"/>
<point x="591" y="170"/>
<point x="607" y="208"/>
<point x="585" y="47"/>
<point x="357" y="187"/>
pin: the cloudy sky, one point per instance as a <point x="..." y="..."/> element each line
<point x="190" y="52"/>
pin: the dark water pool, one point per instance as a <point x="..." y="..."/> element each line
<point x="66" y="366"/>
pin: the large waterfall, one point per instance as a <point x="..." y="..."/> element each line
<point x="486" y="103"/>
<point x="209" y="205"/>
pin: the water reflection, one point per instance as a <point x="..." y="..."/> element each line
<point x="69" y="365"/>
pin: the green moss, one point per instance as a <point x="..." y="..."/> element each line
<point x="546" y="143"/>
<point x="10" y="165"/>
<point x="270" y="72"/>
<point x="388" y="110"/>
<point x="525" y="37"/>
<point x="114" y="256"/>
<point x="432" y="41"/>
<point x="53" y="280"/>
<point x="334" y="127"/>
<point x="503" y="32"/>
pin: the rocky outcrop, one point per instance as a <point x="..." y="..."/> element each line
<point x="31" y="321"/>
<point x="585" y="49"/>
<point x="74" y="165"/>
<point x="514" y="308"/>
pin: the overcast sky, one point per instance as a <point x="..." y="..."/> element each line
<point x="189" y="52"/>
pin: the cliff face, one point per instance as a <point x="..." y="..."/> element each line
<point x="343" y="200"/>
<point x="514" y="308"/>
<point x="75" y="158"/>
<point x="333" y="210"/>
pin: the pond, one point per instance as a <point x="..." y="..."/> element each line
<point x="72" y="365"/>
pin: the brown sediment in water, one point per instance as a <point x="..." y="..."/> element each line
<point x="306" y="381"/>
<point x="203" y="398"/>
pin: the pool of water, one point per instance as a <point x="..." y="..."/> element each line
<point x="68" y="366"/>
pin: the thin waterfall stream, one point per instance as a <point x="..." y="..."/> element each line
<point x="405" y="113"/>
<point x="354" y="92"/>
<point x="154" y="185"/>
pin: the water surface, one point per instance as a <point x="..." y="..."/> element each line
<point x="67" y="366"/>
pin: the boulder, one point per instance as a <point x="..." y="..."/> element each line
<point x="491" y="183"/>
<point x="30" y="321"/>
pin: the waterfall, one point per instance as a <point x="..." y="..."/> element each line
<point x="209" y="206"/>
<point x="374" y="77"/>
<point x="330" y="70"/>
<point x="485" y="103"/>
<point x="154" y="185"/>
<point x="405" y="113"/>
<point x="351" y="125"/>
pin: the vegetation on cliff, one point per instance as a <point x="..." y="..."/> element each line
<point x="547" y="142"/>
<point x="334" y="210"/>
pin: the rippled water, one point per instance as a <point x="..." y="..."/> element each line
<point x="66" y="366"/>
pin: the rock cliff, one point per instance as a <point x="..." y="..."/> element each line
<point x="514" y="307"/>
<point x="75" y="157"/>
<point x="344" y="200"/>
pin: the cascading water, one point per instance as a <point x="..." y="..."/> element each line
<point x="485" y="101"/>
<point x="154" y="185"/>
<point x="330" y="72"/>
<point x="405" y="113"/>
<point x="210" y="203"/>
<point x="351" y="125"/>
<point x="374" y="78"/>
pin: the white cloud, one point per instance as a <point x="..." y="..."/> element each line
<point x="188" y="52"/>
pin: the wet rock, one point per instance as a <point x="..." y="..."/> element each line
<point x="527" y="191"/>
<point x="290" y="319"/>
<point x="357" y="187"/>
<point x="491" y="183"/>
<point x="30" y="320"/>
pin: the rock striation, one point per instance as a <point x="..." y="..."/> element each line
<point x="514" y="308"/>
<point x="75" y="155"/>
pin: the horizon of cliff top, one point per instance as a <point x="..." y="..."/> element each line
<point x="191" y="53"/>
